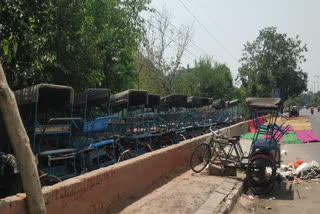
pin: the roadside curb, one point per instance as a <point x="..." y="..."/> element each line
<point x="227" y="205"/>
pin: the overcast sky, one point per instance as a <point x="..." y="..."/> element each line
<point x="232" y="23"/>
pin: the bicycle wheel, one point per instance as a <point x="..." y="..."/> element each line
<point x="260" y="174"/>
<point x="48" y="180"/>
<point x="200" y="157"/>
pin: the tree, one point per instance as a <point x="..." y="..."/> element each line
<point x="273" y="61"/>
<point x="21" y="146"/>
<point x="164" y="47"/>
<point x="148" y="77"/>
<point x="211" y="79"/>
<point x="79" y="43"/>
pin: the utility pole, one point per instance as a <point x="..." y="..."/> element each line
<point x="314" y="90"/>
<point x="318" y="81"/>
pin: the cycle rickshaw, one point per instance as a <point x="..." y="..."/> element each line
<point x="264" y="155"/>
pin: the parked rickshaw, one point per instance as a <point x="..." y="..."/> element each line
<point x="235" y="110"/>
<point x="264" y="154"/>
<point x="93" y="138"/>
<point x="46" y="111"/>
<point x="200" y="116"/>
<point x="175" y="117"/>
<point x="133" y="125"/>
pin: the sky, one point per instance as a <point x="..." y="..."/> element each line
<point x="231" y="23"/>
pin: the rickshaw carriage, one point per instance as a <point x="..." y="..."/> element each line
<point x="235" y="109"/>
<point x="46" y="111"/>
<point x="152" y="112"/>
<point x="93" y="140"/>
<point x="264" y="154"/>
<point x="175" y="117"/>
<point x="200" y="116"/>
<point x="133" y="125"/>
<point x="219" y="114"/>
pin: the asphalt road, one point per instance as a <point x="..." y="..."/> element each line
<point x="309" y="151"/>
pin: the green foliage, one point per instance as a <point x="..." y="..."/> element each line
<point x="153" y="80"/>
<point x="273" y="61"/>
<point x="148" y="77"/>
<point x="310" y="98"/>
<point x="206" y="79"/>
<point x="210" y="79"/>
<point x="79" y="43"/>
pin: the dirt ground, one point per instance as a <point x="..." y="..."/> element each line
<point x="302" y="198"/>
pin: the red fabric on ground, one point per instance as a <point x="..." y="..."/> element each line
<point x="251" y="127"/>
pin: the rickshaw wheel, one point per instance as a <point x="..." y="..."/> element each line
<point x="260" y="174"/>
<point x="49" y="180"/>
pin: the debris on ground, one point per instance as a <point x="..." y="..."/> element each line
<point x="299" y="171"/>
<point x="284" y="152"/>
<point x="250" y="194"/>
<point x="251" y="197"/>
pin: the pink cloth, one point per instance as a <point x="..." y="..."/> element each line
<point x="307" y="136"/>
<point x="291" y="129"/>
<point x="277" y="134"/>
<point x="261" y="120"/>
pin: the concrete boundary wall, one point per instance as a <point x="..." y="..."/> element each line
<point x="103" y="189"/>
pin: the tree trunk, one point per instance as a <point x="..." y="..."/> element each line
<point x="21" y="146"/>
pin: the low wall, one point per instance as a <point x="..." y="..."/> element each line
<point x="236" y="129"/>
<point x="100" y="190"/>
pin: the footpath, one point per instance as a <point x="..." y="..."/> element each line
<point x="191" y="192"/>
<point x="201" y="193"/>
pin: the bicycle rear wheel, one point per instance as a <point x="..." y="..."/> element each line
<point x="260" y="174"/>
<point x="200" y="157"/>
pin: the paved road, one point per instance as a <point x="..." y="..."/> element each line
<point x="303" y="197"/>
<point x="305" y="152"/>
<point x="314" y="119"/>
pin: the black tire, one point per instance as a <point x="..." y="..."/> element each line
<point x="261" y="174"/>
<point x="200" y="157"/>
<point x="49" y="180"/>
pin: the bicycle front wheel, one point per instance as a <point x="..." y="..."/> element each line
<point x="200" y="157"/>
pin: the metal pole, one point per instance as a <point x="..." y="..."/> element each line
<point x="139" y="76"/>
<point x="318" y="81"/>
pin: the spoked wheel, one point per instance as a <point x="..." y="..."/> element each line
<point x="48" y="180"/>
<point x="260" y="174"/>
<point x="200" y="157"/>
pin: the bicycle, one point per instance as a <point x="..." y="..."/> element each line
<point x="219" y="150"/>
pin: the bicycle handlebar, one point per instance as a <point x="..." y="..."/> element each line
<point x="214" y="132"/>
